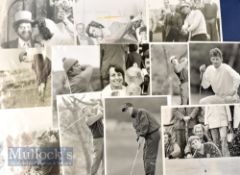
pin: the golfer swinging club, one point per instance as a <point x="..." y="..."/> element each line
<point x="93" y="119"/>
<point x="147" y="128"/>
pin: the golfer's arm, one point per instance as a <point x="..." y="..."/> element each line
<point x="87" y="73"/>
<point x="91" y="120"/>
<point x="143" y="125"/>
<point x="195" y="22"/>
<point x="235" y="76"/>
<point x="179" y="67"/>
<point x="178" y="114"/>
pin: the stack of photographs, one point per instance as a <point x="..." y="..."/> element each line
<point x="117" y="87"/>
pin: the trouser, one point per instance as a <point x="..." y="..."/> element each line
<point x="184" y="93"/>
<point x="172" y="35"/>
<point x="199" y="37"/>
<point x="181" y="139"/>
<point x="219" y="136"/>
<point x="216" y="99"/>
<point x="150" y="35"/>
<point x="150" y="152"/>
<point x="98" y="156"/>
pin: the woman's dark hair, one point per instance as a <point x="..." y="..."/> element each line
<point x="117" y="69"/>
<point x="95" y="25"/>
<point x="44" y="31"/>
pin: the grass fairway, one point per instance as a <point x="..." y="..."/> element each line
<point x="121" y="147"/>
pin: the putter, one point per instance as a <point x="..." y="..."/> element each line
<point x="135" y="159"/>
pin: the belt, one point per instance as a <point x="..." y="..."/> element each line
<point x="168" y="124"/>
<point x="148" y="134"/>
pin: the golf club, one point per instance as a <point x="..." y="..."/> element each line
<point x="135" y="159"/>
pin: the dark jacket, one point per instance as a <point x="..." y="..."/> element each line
<point x="179" y="113"/>
<point x="174" y="21"/>
<point x="144" y="122"/>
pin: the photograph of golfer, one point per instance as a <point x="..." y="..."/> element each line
<point x="81" y="127"/>
<point x="132" y="130"/>
<point x="75" y="70"/>
<point x="25" y="78"/>
<point x="184" y="20"/>
<point x="110" y="21"/>
<point x="214" y="73"/>
<point x="206" y="137"/>
<point x="172" y="60"/>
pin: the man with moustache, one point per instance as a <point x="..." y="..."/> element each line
<point x="23" y="27"/>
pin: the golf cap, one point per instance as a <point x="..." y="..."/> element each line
<point x="126" y="106"/>
<point x="185" y="4"/>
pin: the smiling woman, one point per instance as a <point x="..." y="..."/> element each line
<point x="116" y="82"/>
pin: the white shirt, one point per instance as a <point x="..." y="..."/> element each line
<point x="223" y="80"/>
<point x="24" y="44"/>
<point x="108" y="92"/>
<point x="217" y="116"/>
<point x="195" y="23"/>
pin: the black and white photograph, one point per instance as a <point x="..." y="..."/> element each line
<point x="206" y="137"/>
<point x="27" y="128"/>
<point x="108" y="21"/>
<point x="25" y="78"/>
<point x="214" y="73"/>
<point x="34" y="23"/>
<point x="81" y="127"/>
<point x="170" y="71"/>
<point x="184" y="20"/>
<point x="76" y="69"/>
<point x="133" y="135"/>
<point x="125" y="69"/>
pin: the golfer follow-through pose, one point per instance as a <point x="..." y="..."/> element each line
<point x="147" y="128"/>
<point x="93" y="118"/>
<point x="223" y="79"/>
<point x="180" y="67"/>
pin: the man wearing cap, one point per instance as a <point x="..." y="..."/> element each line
<point x="78" y="75"/>
<point x="223" y="79"/>
<point x="23" y="27"/>
<point x="147" y="128"/>
<point x="181" y="70"/>
<point x="194" y="23"/>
